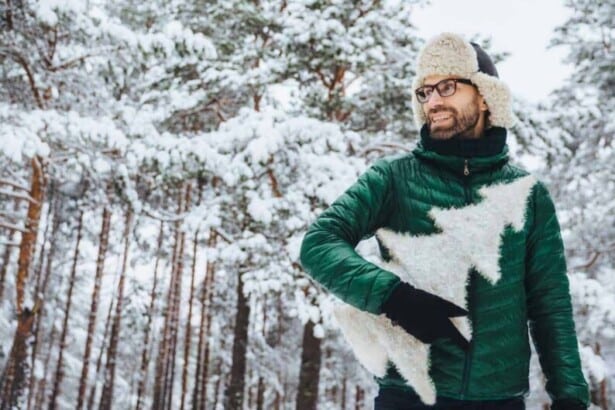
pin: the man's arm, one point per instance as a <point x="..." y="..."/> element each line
<point x="549" y="306"/>
<point x="327" y="250"/>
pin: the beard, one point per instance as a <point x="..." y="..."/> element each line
<point x="462" y="123"/>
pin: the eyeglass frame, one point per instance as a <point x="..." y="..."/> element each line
<point x="435" y="87"/>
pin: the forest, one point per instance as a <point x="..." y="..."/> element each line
<point x="160" y="162"/>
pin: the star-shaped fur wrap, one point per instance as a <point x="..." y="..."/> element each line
<point x="469" y="237"/>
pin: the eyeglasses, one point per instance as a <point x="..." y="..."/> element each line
<point x="445" y="88"/>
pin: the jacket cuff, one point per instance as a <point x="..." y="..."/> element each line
<point x="568" y="404"/>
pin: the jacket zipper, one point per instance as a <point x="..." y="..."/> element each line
<point x="468" y="355"/>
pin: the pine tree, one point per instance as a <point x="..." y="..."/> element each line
<point x="583" y="177"/>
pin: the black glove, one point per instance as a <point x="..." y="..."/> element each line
<point x="424" y="315"/>
<point x="568" y="404"/>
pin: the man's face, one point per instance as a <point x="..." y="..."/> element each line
<point x="462" y="113"/>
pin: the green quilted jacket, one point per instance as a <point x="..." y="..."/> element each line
<point x="397" y="193"/>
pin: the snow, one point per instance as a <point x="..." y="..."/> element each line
<point x="160" y="95"/>
<point x="594" y="367"/>
<point x="260" y="210"/>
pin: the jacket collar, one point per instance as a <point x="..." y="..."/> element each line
<point x="463" y="157"/>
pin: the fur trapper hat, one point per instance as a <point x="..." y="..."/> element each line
<point x="450" y="54"/>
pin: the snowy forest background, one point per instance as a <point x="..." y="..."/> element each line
<point x="160" y="161"/>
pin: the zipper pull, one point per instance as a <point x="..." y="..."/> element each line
<point x="466" y="170"/>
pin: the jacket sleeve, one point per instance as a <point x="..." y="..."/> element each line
<point x="549" y="306"/>
<point x="327" y="250"/>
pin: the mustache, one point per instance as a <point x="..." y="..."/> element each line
<point x="442" y="109"/>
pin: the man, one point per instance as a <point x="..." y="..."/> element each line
<point x="474" y="250"/>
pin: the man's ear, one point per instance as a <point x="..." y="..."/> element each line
<point x="483" y="104"/>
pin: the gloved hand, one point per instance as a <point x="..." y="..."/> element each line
<point x="424" y="315"/>
<point x="568" y="404"/>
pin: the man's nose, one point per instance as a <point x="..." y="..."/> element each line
<point x="434" y="100"/>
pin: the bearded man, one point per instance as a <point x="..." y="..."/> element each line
<point x="473" y="249"/>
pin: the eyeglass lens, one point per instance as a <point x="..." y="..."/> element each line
<point x="445" y="88"/>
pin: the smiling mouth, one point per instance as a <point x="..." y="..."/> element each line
<point x="439" y="118"/>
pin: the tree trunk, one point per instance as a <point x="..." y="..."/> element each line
<point x="279" y="397"/>
<point x="343" y="405"/>
<point x="41" y="289"/>
<point x="177" y="300"/>
<point x="599" y="395"/>
<point x="40" y="394"/>
<point x="277" y="403"/>
<point x="152" y="303"/>
<point x="307" y="393"/>
<point x="170" y="374"/>
<point x="15" y="373"/>
<point x="261" y="387"/>
<point x="260" y="394"/>
<point x="359" y="397"/>
<point x="163" y="390"/>
<point x="53" y="219"/>
<point x="69" y="298"/>
<point x="163" y="349"/>
<point x="6" y="257"/>
<point x="107" y="391"/>
<point x="28" y="239"/>
<point x="234" y="393"/>
<point x="199" y="395"/>
<point x="188" y="320"/>
<point x="100" y="265"/>
<point x="176" y="303"/>
<point x="94" y="388"/>
<point x="14" y="376"/>
<point x="218" y="386"/>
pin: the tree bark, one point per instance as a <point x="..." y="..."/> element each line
<point x="28" y="239"/>
<point x="177" y="299"/>
<point x="199" y="395"/>
<point x="234" y="392"/>
<point x="163" y="387"/>
<point x="107" y="391"/>
<point x="218" y="385"/>
<point x="69" y="298"/>
<point x="261" y="386"/>
<point x="163" y="349"/>
<point x="94" y="387"/>
<point x="41" y="289"/>
<point x="307" y="393"/>
<point x="40" y="394"/>
<point x="188" y="322"/>
<point x="6" y="258"/>
<point x="359" y="397"/>
<point x="14" y="376"/>
<point x="15" y="373"/>
<point x="344" y="383"/>
<point x="260" y="394"/>
<point x="100" y="265"/>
